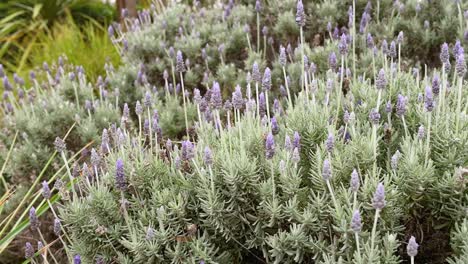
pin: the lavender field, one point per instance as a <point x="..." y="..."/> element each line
<point x="243" y="131"/>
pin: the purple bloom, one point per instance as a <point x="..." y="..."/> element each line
<point x="216" y="100"/>
<point x="370" y="41"/>
<point x="296" y="157"/>
<point x="258" y="6"/>
<point x="274" y="126"/>
<point x="147" y="99"/>
<point x="256" y="76"/>
<point x="428" y="99"/>
<point x="384" y="47"/>
<point x="444" y="53"/>
<point x="187" y="150"/>
<point x="270" y="146"/>
<point x="28" y="250"/>
<point x="57" y="227"/>
<point x="343" y="45"/>
<point x="355" y="181"/>
<point x="287" y="143"/>
<point x="356" y="224"/>
<point x="400" y="37"/>
<point x="138" y="108"/>
<point x="393" y="51"/>
<point x="412" y="247"/>
<point x="388" y="107"/>
<point x="326" y="170"/>
<point x="421" y="132"/>
<point x="457" y="49"/>
<point x="300" y="14"/>
<point x="266" y="82"/>
<point x="282" y="56"/>
<point x="297" y="140"/>
<point x="332" y="61"/>
<point x="110" y="31"/>
<point x="120" y="181"/>
<point x="330" y="142"/>
<point x="207" y="157"/>
<point x="401" y="105"/>
<point x="45" y="190"/>
<point x="180" y="66"/>
<point x="77" y="259"/>
<point x="381" y="81"/>
<point x="436" y="84"/>
<point x="460" y="65"/>
<point x="60" y="145"/>
<point x="7" y="84"/>
<point x="378" y="201"/>
<point x="33" y="220"/>
<point x="374" y="116"/>
<point x="262" y="104"/>
<point x="237" y="100"/>
<point x="196" y="96"/>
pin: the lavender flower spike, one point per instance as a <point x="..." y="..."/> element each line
<point x="356" y="224"/>
<point x="330" y="142"/>
<point x="237" y="100"/>
<point x="343" y="45"/>
<point x="381" y="81"/>
<point x="180" y="66"/>
<point x="45" y="190"/>
<point x="374" y="116"/>
<point x="300" y="14"/>
<point x="460" y="65"/>
<point x="57" y="227"/>
<point x="412" y="248"/>
<point x="216" y="99"/>
<point x="296" y="157"/>
<point x="60" y="145"/>
<point x="428" y="99"/>
<point x="187" y="150"/>
<point x="378" y="201"/>
<point x="270" y="146"/>
<point x="354" y="181"/>
<point x="266" y="82"/>
<point x="120" y="181"/>
<point x="326" y="170"/>
<point x="256" y="76"/>
<point x="33" y="220"/>
<point x="207" y="157"/>
<point x="77" y="259"/>
<point x="282" y="56"/>
<point x="444" y="53"/>
<point x="401" y="105"/>
<point x="28" y="250"/>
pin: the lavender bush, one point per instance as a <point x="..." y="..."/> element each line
<point x="301" y="142"/>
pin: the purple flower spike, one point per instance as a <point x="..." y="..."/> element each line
<point x="393" y="52"/>
<point x="274" y="126"/>
<point x="237" y="100"/>
<point x="60" y="145"/>
<point x="460" y="65"/>
<point x="138" y="108"/>
<point x="110" y="31"/>
<point x="187" y="150"/>
<point x="457" y="49"/>
<point x="207" y="157"/>
<point x="332" y="61"/>
<point x="77" y="259"/>
<point x="401" y="105"/>
<point x="370" y="41"/>
<point x="412" y="248"/>
<point x="33" y="220"/>
<point x="120" y="181"/>
<point x="389" y="107"/>
<point x="343" y="45"/>
<point x="356" y="224"/>
<point x="395" y="159"/>
<point x="7" y="84"/>
<point x="216" y="100"/>
<point x="326" y="170"/>
<point x="374" y="116"/>
<point x="266" y="82"/>
<point x="300" y="14"/>
<point x="297" y="141"/>
<point x="428" y="99"/>
<point x="287" y="143"/>
<point x="296" y="157"/>
<point x="262" y="104"/>
<point x="258" y="6"/>
<point x="400" y="37"/>
<point x="330" y="142"/>
<point x="381" y="81"/>
<point x="256" y="76"/>
<point x="270" y="146"/>
<point x="57" y="227"/>
<point x="378" y="201"/>
<point x="282" y="56"/>
<point x="180" y="65"/>
<point x="28" y="250"/>
<point x="421" y="132"/>
<point x="384" y="47"/>
<point x="147" y="99"/>
<point x="45" y="190"/>
<point x="444" y="53"/>
<point x="355" y="183"/>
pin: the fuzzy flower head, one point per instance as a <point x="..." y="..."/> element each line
<point x="400" y="37"/>
<point x="395" y="159"/>
<point x="120" y="181"/>
<point x="370" y="41"/>
<point x="378" y="201"/>
<point x="354" y="181"/>
<point x="374" y="116"/>
<point x="282" y="56"/>
<point x="207" y="156"/>
<point x="180" y="65"/>
<point x="187" y="150"/>
<point x="77" y="259"/>
<point x="356" y="224"/>
<point x="332" y="62"/>
<point x="436" y="84"/>
<point x="412" y="247"/>
<point x="28" y="250"/>
<point x="297" y="140"/>
<point x="256" y="76"/>
<point x="45" y="190"/>
<point x="266" y="81"/>
<point x="60" y="145"/>
<point x="330" y="142"/>
<point x="300" y="14"/>
<point x="274" y="126"/>
<point x="270" y="146"/>
<point x="216" y="100"/>
<point x="421" y="132"/>
<point x="444" y="53"/>
<point x="460" y="65"/>
<point x="33" y="220"/>
<point x="388" y="107"/>
<point x="428" y="99"/>
<point x="343" y="45"/>
<point x="381" y="81"/>
<point x="296" y="157"/>
<point x="393" y="52"/>
<point x="237" y="100"/>
<point x="401" y="105"/>
<point x="57" y="227"/>
<point x="326" y="170"/>
<point x="258" y="6"/>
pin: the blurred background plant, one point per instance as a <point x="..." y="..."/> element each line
<point x="24" y="23"/>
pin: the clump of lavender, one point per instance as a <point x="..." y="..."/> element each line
<point x="237" y="100"/>
<point x="401" y="105"/>
<point x="269" y="146"/>
<point x="343" y="45"/>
